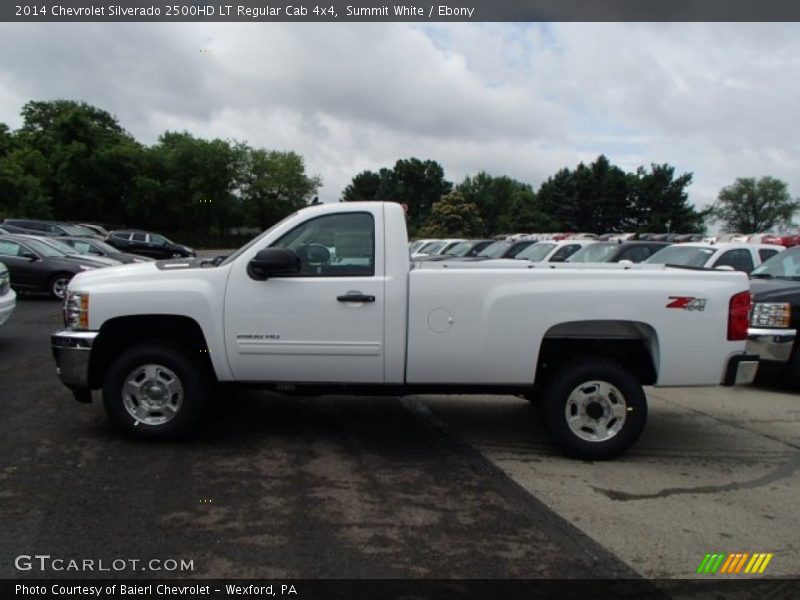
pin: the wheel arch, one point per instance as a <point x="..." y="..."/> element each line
<point x="632" y="344"/>
<point x="121" y="333"/>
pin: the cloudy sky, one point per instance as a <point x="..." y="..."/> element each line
<point x="719" y="100"/>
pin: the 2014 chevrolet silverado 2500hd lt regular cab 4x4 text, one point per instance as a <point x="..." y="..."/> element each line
<point x="326" y="300"/>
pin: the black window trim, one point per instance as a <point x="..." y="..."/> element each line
<point x="333" y="275"/>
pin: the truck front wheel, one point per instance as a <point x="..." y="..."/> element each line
<point x="155" y="391"/>
<point x="594" y="409"/>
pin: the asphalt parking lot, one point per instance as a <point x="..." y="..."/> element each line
<point x="422" y="486"/>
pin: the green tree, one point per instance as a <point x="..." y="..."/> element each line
<point x="591" y="198"/>
<point x="752" y="206"/>
<point x="417" y="184"/>
<point x="505" y="204"/>
<point x="274" y="184"/>
<point x="365" y="186"/>
<point x="659" y="202"/>
<point x="453" y="216"/>
<point x="89" y="158"/>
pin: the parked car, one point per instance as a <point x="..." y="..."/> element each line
<point x="156" y="339"/>
<point x="48" y="228"/>
<point x="463" y="249"/>
<point x="417" y="244"/>
<point x="500" y="249"/>
<point x="38" y="267"/>
<point x="8" y="298"/>
<point x="734" y="256"/>
<point x="98" y="229"/>
<point x="68" y="250"/>
<point x="448" y="244"/>
<point x="552" y="251"/>
<point x="611" y="252"/>
<point x="146" y="243"/>
<point x="99" y="248"/>
<point x="775" y="317"/>
<point x="429" y="248"/>
<point x="786" y="241"/>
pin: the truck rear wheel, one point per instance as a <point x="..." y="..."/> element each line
<point x="155" y="391"/>
<point x="594" y="409"/>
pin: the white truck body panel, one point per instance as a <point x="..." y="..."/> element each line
<point x="455" y="323"/>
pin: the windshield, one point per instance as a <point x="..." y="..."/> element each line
<point x="536" y="252"/>
<point x="785" y="265"/>
<point x="460" y="249"/>
<point x="59" y="245"/>
<point x="431" y="248"/>
<point x="685" y="256"/>
<point x="232" y="257"/>
<point x="594" y="253"/>
<point x="495" y="250"/>
<point x="76" y="230"/>
<point x="46" y="250"/>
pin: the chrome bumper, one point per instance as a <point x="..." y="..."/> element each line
<point x="741" y="370"/>
<point x="72" y="349"/>
<point x="771" y="344"/>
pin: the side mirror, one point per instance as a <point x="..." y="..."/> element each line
<point x="272" y="262"/>
<point x="626" y="261"/>
<point x="724" y="268"/>
<point x="557" y="259"/>
<point x="30" y="256"/>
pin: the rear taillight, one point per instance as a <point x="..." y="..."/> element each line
<point x="738" y="316"/>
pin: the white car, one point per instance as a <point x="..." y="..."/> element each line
<point x="723" y="255"/>
<point x="156" y="336"/>
<point x="552" y="251"/>
<point x="8" y="299"/>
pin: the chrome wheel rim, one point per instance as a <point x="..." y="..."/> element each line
<point x="152" y="394"/>
<point x="595" y="411"/>
<point x="60" y="286"/>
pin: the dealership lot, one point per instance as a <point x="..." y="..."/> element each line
<point x="445" y="486"/>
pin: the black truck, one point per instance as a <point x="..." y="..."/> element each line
<point x="775" y="317"/>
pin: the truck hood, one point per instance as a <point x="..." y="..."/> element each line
<point x="132" y="272"/>
<point x="774" y="290"/>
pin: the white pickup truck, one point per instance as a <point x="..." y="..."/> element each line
<point x="328" y="301"/>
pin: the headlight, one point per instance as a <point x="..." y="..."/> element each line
<point x="771" y="314"/>
<point x="86" y="268"/>
<point x="76" y="310"/>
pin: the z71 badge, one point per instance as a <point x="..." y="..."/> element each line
<point x="686" y="303"/>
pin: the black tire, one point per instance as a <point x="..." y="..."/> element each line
<point x="556" y="402"/>
<point x="191" y="376"/>
<point x="56" y="283"/>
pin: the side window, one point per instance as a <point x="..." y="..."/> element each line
<point x="564" y="252"/>
<point x="766" y="253"/>
<point x="81" y="247"/>
<point x="636" y="254"/>
<point x="739" y="259"/>
<point x="138" y="237"/>
<point x="8" y="248"/>
<point x="341" y="245"/>
<point x="36" y="226"/>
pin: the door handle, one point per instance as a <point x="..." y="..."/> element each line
<point x="355" y="298"/>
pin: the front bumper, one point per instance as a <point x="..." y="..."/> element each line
<point x="8" y="303"/>
<point x="771" y="344"/>
<point x="741" y="369"/>
<point x="72" y="349"/>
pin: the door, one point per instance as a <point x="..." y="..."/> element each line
<point x="324" y="324"/>
<point x="22" y="270"/>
